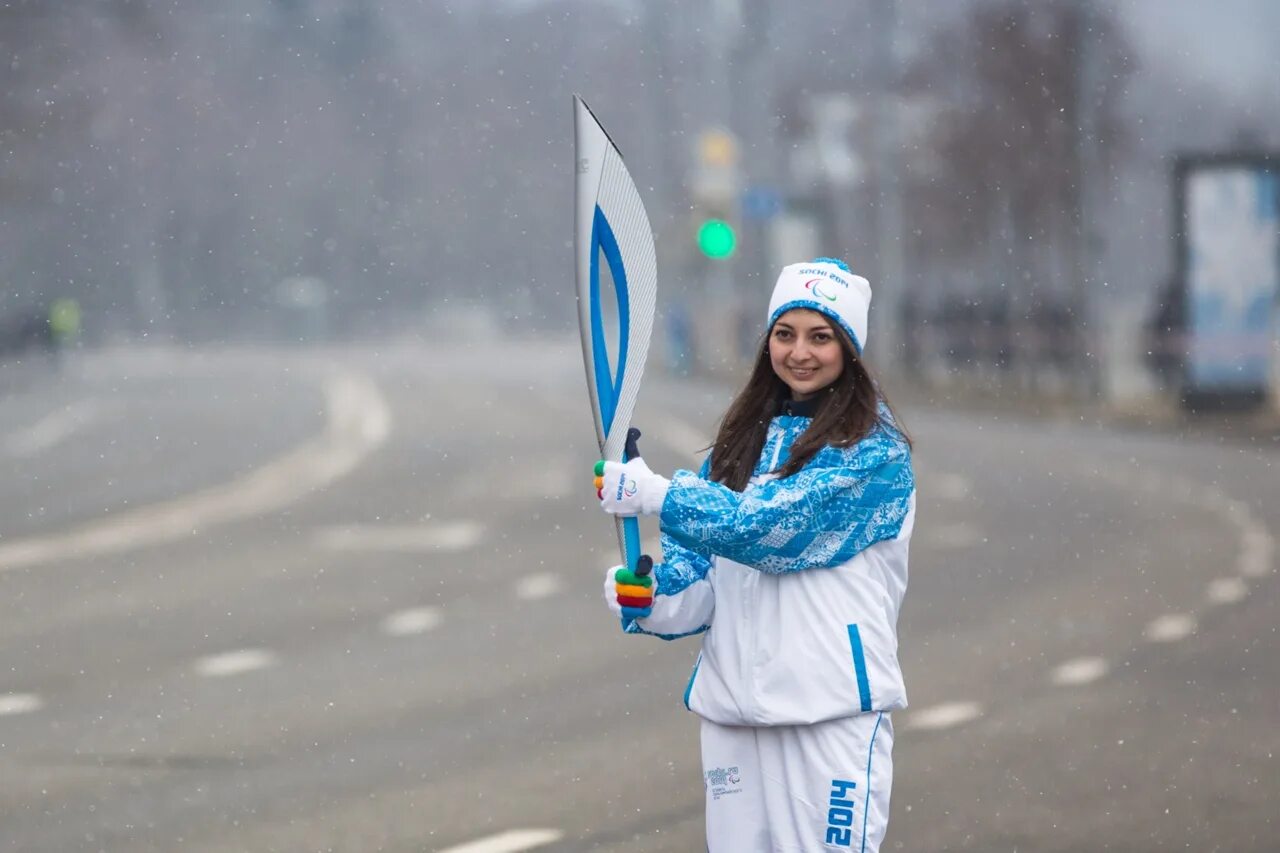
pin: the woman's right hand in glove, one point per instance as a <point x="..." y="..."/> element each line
<point x="628" y="594"/>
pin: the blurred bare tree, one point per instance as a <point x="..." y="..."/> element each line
<point x="170" y="167"/>
<point x="44" y="107"/>
<point x="1007" y="135"/>
<point x="1027" y="117"/>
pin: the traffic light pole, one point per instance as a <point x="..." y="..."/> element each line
<point x="889" y="225"/>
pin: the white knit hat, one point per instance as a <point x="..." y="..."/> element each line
<point x="826" y="285"/>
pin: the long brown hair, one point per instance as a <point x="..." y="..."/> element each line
<point x="847" y="411"/>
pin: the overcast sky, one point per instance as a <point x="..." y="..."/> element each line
<point x="1229" y="43"/>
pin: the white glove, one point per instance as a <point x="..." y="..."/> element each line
<point x="629" y="595"/>
<point x="630" y="488"/>
<point x="611" y="590"/>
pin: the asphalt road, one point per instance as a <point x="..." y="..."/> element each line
<point x="287" y="600"/>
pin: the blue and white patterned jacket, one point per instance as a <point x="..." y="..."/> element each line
<point x="794" y="583"/>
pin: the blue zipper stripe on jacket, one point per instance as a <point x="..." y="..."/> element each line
<point x="866" y="802"/>
<point x="860" y="668"/>
<point x="689" y="689"/>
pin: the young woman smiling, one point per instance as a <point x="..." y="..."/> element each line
<point x="787" y="551"/>
<point x="804" y="352"/>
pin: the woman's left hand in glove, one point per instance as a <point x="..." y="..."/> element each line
<point x="630" y="488"/>
<point x="627" y="593"/>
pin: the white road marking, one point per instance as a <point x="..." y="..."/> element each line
<point x="1226" y="591"/>
<point x="19" y="703"/>
<point x="950" y="487"/>
<point x="544" y="477"/>
<point x="359" y="421"/>
<point x="538" y="586"/>
<point x="418" y="620"/>
<point x="449" y="536"/>
<point x="556" y="483"/>
<point x="944" y="716"/>
<point x="512" y="841"/>
<point x="1256" y="552"/>
<point x="1080" y="671"/>
<point x="958" y="535"/>
<point x="234" y="663"/>
<point x="1170" y="628"/>
<point x="52" y="429"/>
<point x="1256" y="545"/>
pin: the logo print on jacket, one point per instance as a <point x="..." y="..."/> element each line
<point x="721" y="781"/>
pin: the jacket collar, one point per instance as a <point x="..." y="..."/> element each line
<point x="799" y="408"/>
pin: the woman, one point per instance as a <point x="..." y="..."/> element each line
<point x="788" y="552"/>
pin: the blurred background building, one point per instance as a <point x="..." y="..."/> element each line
<point x="1013" y="176"/>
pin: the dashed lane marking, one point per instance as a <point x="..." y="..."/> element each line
<point x="1226" y="591"/>
<point x="359" y="421"/>
<point x="52" y="428"/>
<point x="1257" y="546"/>
<point x="1253" y="559"/>
<point x="417" y="620"/>
<point x="944" y="716"/>
<point x="19" y="703"/>
<point x="950" y="487"/>
<point x="552" y="484"/>
<point x="1170" y="628"/>
<point x="538" y="586"/>
<point x="446" y="536"/>
<point x="1256" y="552"/>
<point x="957" y="535"/>
<point x="1079" y="671"/>
<point x="512" y="841"/>
<point x="234" y="663"/>
<point x="555" y="476"/>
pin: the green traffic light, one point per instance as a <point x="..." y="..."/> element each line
<point x="716" y="238"/>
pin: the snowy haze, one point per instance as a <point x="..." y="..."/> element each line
<point x="171" y="164"/>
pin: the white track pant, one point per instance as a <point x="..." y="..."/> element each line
<point x="790" y="789"/>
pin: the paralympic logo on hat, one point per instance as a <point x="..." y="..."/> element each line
<point x="812" y="285"/>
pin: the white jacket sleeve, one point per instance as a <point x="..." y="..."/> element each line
<point x="683" y="600"/>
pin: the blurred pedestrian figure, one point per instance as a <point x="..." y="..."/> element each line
<point x="64" y="325"/>
<point x="24" y="333"/>
<point x="1164" y="335"/>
